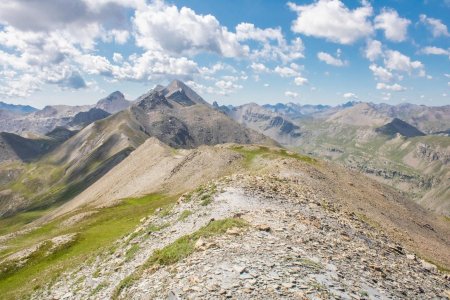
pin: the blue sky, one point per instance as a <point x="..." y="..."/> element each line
<point x="231" y="51"/>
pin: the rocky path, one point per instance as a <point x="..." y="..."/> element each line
<point x="296" y="246"/>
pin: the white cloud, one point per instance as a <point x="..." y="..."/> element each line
<point x="395" y="28"/>
<point x="373" y="50"/>
<point x="381" y="73"/>
<point x="227" y="87"/>
<point x="161" y="27"/>
<point x="396" y="61"/>
<point x="330" y="60"/>
<point x="300" y="81"/>
<point x="350" y="96"/>
<point x="217" y="67"/>
<point x="436" y="26"/>
<point x="117" y="57"/>
<point x="281" y="51"/>
<point x="248" y="31"/>
<point x="286" y="71"/>
<point x="291" y="94"/>
<point x="394" y="87"/>
<point x="46" y="15"/>
<point x="332" y="20"/>
<point x="266" y="85"/>
<point x="435" y="51"/>
<point x="259" y="68"/>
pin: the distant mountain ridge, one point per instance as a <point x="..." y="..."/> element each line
<point x="52" y="116"/>
<point x="17" y="108"/>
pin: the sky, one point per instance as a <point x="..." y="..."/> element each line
<point x="230" y="51"/>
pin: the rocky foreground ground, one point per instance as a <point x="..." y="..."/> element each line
<point x="293" y="242"/>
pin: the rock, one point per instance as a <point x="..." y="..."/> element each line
<point x="199" y="244"/>
<point x="429" y="267"/>
<point x="234" y="231"/>
<point x="202" y="245"/>
<point x="411" y="256"/>
<point x="263" y="227"/>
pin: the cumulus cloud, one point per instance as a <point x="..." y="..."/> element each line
<point x="215" y="68"/>
<point x="435" y="51"/>
<point x="259" y="67"/>
<point x="300" y="81"/>
<point x="46" y="15"/>
<point x="373" y="50"/>
<point x="393" y="87"/>
<point x="350" y="96"/>
<point x="330" y="60"/>
<point x="248" y="31"/>
<point x="71" y="80"/>
<point x="193" y="33"/>
<point x="286" y="71"/>
<point x="332" y="20"/>
<point x="291" y="94"/>
<point x="280" y="51"/>
<point x="396" y="61"/>
<point x="436" y="26"/>
<point x="381" y="73"/>
<point x="395" y="28"/>
<point x="161" y="27"/>
<point x="117" y="57"/>
<point x="46" y="38"/>
<point x="227" y="87"/>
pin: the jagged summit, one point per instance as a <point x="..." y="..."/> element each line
<point x="178" y="89"/>
<point x="174" y="93"/>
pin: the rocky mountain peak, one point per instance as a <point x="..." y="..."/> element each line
<point x="180" y="88"/>
<point x="117" y="95"/>
<point x="113" y="103"/>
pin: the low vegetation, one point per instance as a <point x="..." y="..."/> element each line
<point x="184" y="215"/>
<point x="95" y="234"/>
<point x="251" y="153"/>
<point x="184" y="246"/>
<point x="179" y="249"/>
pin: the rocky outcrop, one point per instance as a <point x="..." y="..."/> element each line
<point x="426" y="152"/>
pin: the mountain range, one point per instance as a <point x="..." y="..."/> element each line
<point x="168" y="196"/>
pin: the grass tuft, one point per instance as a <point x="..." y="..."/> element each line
<point x="184" y="215"/>
<point x="184" y="246"/>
